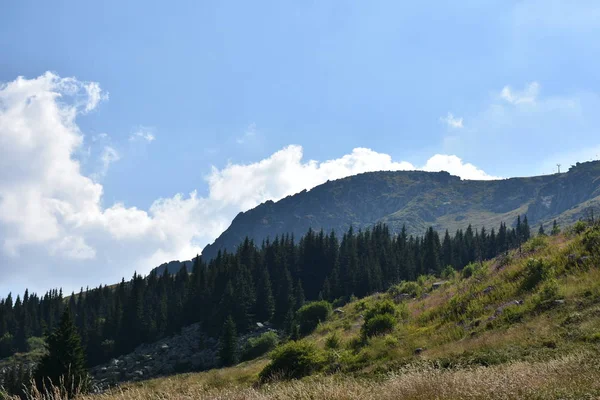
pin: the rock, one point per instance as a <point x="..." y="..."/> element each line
<point x="559" y="302"/>
<point x="508" y="304"/>
<point x="260" y="325"/>
<point x="401" y="297"/>
<point x="178" y="353"/>
<point x="436" y="285"/>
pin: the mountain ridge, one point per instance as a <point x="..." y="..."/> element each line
<point x="417" y="199"/>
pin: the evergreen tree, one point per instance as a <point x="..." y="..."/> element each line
<point x="228" y="350"/>
<point x="541" y="231"/>
<point x="525" y="229"/>
<point x="64" y="363"/>
<point x="265" y="303"/>
<point x="555" y="228"/>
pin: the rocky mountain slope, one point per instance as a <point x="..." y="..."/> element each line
<point x="418" y="200"/>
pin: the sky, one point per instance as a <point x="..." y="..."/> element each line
<point x="131" y="133"/>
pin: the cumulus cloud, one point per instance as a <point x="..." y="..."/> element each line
<point x="55" y="230"/>
<point x="144" y="134"/>
<point x="452" y="121"/>
<point x="455" y="166"/>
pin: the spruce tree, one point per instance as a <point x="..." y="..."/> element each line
<point x="555" y="228"/>
<point x="64" y="364"/>
<point x="228" y="350"/>
<point x="541" y="231"/>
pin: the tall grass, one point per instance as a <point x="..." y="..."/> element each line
<point x="574" y="376"/>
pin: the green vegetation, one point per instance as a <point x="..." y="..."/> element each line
<point x="311" y="314"/>
<point x="256" y="347"/>
<point x="294" y="359"/>
<point x="228" y="350"/>
<point x="64" y="362"/>
<point x="523" y="325"/>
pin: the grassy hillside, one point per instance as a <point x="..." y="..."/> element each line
<point x="525" y="325"/>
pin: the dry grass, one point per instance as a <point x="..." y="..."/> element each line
<point x="575" y="376"/>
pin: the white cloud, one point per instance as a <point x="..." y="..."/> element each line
<point x="143" y="133"/>
<point x="53" y="223"/>
<point x="452" y="121"/>
<point x="528" y="95"/>
<point x="455" y="166"/>
<point x="108" y="156"/>
<point x="94" y="95"/>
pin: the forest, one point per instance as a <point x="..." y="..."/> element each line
<point x="257" y="283"/>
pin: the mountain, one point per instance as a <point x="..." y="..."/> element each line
<point x="418" y="200"/>
<point x="172" y="266"/>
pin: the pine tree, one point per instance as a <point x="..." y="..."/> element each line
<point x="541" y="231"/>
<point x="525" y="229"/>
<point x="555" y="228"/>
<point x="65" y="362"/>
<point x="265" y="303"/>
<point x="228" y="350"/>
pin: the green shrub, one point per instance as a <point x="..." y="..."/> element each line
<point x="579" y="227"/>
<point x="309" y="315"/>
<point x="536" y="271"/>
<point x="379" y="308"/>
<point x="468" y="270"/>
<point x="256" y="347"/>
<point x="448" y="272"/>
<point x="6" y="345"/>
<point x="293" y="360"/>
<point x="333" y="341"/>
<point x="535" y="243"/>
<point x="378" y="325"/>
<point x="513" y="314"/>
<point x="549" y="290"/>
<point x="412" y="288"/>
<point x="591" y="241"/>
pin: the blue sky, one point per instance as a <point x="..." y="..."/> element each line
<point x="207" y="97"/>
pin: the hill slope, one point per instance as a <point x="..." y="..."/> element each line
<point x="523" y="326"/>
<point x="418" y="200"/>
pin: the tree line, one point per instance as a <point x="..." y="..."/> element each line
<point x="256" y="283"/>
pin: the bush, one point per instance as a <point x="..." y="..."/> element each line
<point x="579" y="227"/>
<point x="411" y="288"/>
<point x="293" y="360"/>
<point x="591" y="241"/>
<point x="536" y="271"/>
<point x="333" y="341"/>
<point x="7" y="348"/>
<point x="535" y="243"/>
<point x="309" y="315"/>
<point x="380" y="308"/>
<point x="448" y="272"/>
<point x="550" y="290"/>
<point x="378" y="325"/>
<point x="256" y="347"/>
<point x="469" y="270"/>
